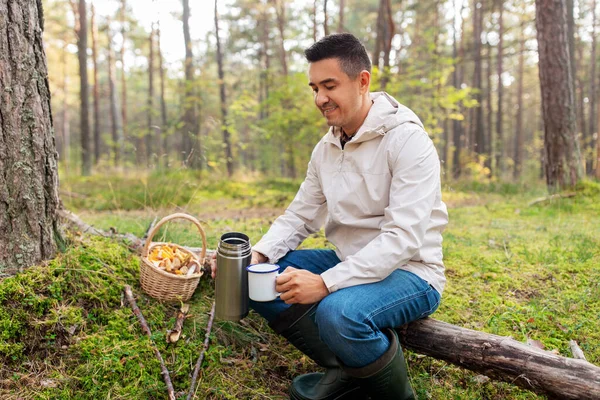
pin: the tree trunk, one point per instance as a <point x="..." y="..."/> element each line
<point x="150" y="101"/>
<point x="456" y="81"/>
<point x="28" y="165"/>
<point x="163" y="105"/>
<point x="280" y="11"/>
<point x="593" y="96"/>
<point x="86" y="154"/>
<point x="112" y="95"/>
<point x="341" y="17"/>
<point x="477" y="128"/>
<point x="518" y="157"/>
<point x="563" y="160"/>
<point x="500" y="151"/>
<point x="325" y="18"/>
<point x="314" y="18"/>
<point x="66" y="123"/>
<point x="489" y="127"/>
<point x="123" y="132"/>
<point x="94" y="28"/>
<point x="505" y="359"/>
<point x="191" y="150"/>
<point x="226" y="136"/>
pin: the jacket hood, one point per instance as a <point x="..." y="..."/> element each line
<point x="385" y="114"/>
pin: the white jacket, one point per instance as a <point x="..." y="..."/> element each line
<point x="379" y="197"/>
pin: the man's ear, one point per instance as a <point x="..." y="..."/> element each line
<point x="364" y="79"/>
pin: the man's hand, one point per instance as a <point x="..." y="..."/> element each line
<point x="300" y="286"/>
<point x="257" y="258"/>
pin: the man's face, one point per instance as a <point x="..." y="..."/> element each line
<point x="337" y="96"/>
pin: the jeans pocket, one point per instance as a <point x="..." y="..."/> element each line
<point x="433" y="300"/>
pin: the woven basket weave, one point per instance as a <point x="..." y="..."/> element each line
<point x="163" y="285"/>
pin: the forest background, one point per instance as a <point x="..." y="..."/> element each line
<point x="203" y="107"/>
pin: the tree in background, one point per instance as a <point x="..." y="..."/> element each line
<point x="28" y="164"/>
<point x="562" y="157"/>
<point x="223" y="98"/>
<point x="80" y="13"/>
<point x="191" y="145"/>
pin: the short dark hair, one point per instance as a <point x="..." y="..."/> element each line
<point x="350" y="52"/>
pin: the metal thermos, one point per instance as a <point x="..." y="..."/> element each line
<point x="234" y="253"/>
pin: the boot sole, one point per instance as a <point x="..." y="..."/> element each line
<point x="354" y="394"/>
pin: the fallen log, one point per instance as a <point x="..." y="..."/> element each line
<point x="504" y="359"/>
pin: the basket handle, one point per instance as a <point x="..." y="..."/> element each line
<point x="172" y="217"/>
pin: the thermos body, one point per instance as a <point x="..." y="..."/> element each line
<point x="234" y="253"/>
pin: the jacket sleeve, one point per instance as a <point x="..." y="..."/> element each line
<point x="415" y="186"/>
<point x="305" y="215"/>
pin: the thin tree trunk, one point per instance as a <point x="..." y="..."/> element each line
<point x="163" y="105"/>
<point x="191" y="150"/>
<point x="325" y="18"/>
<point x="518" y="157"/>
<point x="94" y="28"/>
<point x="112" y="95"/>
<point x="593" y="95"/>
<point x="280" y="11"/>
<point x="86" y="154"/>
<point x="150" y="101"/>
<point x="66" y="123"/>
<point x="456" y="80"/>
<point x="477" y="129"/>
<point x="123" y="132"/>
<point x="226" y="136"/>
<point x="388" y="36"/>
<point x="341" y="16"/>
<point x="314" y="18"/>
<point x="500" y="151"/>
<point x="563" y="159"/>
<point x="29" y="201"/>
<point x="489" y="127"/>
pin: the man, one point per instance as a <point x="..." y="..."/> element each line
<point x="374" y="182"/>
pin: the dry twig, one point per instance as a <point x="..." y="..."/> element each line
<point x="138" y="313"/>
<point x="201" y="357"/>
<point x="174" y="334"/>
<point x="576" y="350"/>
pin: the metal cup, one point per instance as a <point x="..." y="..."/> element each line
<point x="234" y="253"/>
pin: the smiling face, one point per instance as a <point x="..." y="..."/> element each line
<point x="343" y="101"/>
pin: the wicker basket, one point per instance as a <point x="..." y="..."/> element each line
<point x="163" y="285"/>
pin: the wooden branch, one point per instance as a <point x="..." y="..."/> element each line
<point x="504" y="359"/>
<point x="174" y="334"/>
<point x="551" y="197"/>
<point x="201" y="357"/>
<point x="576" y="350"/>
<point x="138" y="313"/>
<point x="149" y="228"/>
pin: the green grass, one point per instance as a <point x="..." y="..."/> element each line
<point x="530" y="272"/>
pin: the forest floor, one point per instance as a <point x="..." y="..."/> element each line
<point x="527" y="271"/>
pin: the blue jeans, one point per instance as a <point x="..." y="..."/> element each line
<point x="351" y="320"/>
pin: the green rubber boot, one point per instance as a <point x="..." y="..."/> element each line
<point x="387" y="377"/>
<point x="297" y="325"/>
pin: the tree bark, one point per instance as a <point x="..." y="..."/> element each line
<point x="500" y="151"/>
<point x="163" y="105"/>
<point x="28" y="160"/>
<point x="518" y="155"/>
<point x="456" y="81"/>
<point x="593" y="95"/>
<point x="96" y="129"/>
<point x="341" y="17"/>
<point x="150" y="101"/>
<point x="504" y="359"/>
<point x="477" y="128"/>
<point x="225" y="131"/>
<point x="191" y="150"/>
<point x="123" y="132"/>
<point x="112" y="95"/>
<point x="325" y="19"/>
<point x="563" y="159"/>
<point x="86" y="154"/>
